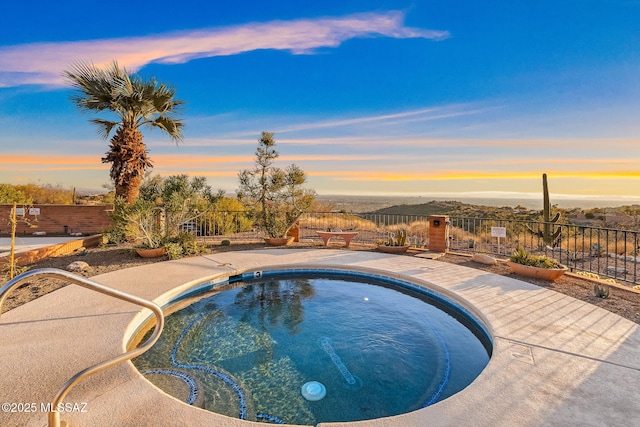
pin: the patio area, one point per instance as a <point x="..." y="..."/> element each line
<point x="556" y="360"/>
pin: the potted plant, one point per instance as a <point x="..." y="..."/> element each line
<point x="155" y="222"/>
<point x="276" y="197"/>
<point x="395" y="244"/>
<point x="537" y="266"/>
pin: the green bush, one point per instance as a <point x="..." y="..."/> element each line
<point x="184" y="244"/>
<point x="225" y="242"/>
<point x="174" y="250"/>
<point x="115" y="234"/>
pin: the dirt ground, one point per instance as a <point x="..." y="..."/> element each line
<point x="105" y="259"/>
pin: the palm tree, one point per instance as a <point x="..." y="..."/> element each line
<point x="136" y="103"/>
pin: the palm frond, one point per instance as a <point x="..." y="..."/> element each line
<point x="171" y="126"/>
<point x="136" y="102"/>
<point x="94" y="85"/>
<point x="104" y="127"/>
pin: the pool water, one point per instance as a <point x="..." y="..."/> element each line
<point x="378" y="351"/>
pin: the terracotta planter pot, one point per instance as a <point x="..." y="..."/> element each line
<point x="537" y="272"/>
<point x="393" y="249"/>
<point x="278" y="241"/>
<point x="151" y="253"/>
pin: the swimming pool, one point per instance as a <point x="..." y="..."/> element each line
<point x="378" y="346"/>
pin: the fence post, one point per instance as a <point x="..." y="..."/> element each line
<point x="438" y="233"/>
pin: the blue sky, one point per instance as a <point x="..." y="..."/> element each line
<point x="395" y="97"/>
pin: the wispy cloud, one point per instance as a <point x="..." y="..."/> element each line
<point x="363" y="129"/>
<point x="425" y="114"/>
<point x="42" y="63"/>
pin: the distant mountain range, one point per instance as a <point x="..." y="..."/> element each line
<point x="443" y="205"/>
<point x="622" y="217"/>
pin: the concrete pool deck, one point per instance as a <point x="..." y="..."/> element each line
<point x="556" y="361"/>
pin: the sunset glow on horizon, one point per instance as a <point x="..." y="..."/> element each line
<point x="376" y="97"/>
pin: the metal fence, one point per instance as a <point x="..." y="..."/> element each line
<point x="371" y="228"/>
<point x="603" y="251"/>
<point x="607" y="252"/>
<point x="237" y="226"/>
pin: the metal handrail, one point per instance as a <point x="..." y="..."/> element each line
<point x="54" y="416"/>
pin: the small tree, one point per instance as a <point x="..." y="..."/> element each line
<point x="276" y="196"/>
<point x="11" y="268"/>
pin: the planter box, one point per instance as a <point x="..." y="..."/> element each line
<point x="537" y="272"/>
<point x="278" y="241"/>
<point x="151" y="253"/>
<point x="393" y="249"/>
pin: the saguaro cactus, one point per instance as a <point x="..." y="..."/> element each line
<point x="549" y="232"/>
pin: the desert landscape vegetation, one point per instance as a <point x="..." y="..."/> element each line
<point x="327" y="213"/>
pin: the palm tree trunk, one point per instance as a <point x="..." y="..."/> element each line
<point x="129" y="161"/>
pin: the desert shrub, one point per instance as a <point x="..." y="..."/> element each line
<point x="174" y="250"/>
<point x="226" y="216"/>
<point x="114" y="235"/>
<point x="137" y="223"/>
<point x="184" y="244"/>
<point x="523" y="257"/>
<point x="601" y="291"/>
<point x="10" y="194"/>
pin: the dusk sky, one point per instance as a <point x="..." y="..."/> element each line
<point x="394" y="97"/>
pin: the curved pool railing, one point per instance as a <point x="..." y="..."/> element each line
<point x="54" y="416"/>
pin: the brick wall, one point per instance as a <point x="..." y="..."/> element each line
<point x="53" y="219"/>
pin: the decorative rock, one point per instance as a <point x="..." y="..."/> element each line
<point x="76" y="234"/>
<point x="484" y="259"/>
<point x="78" y="266"/>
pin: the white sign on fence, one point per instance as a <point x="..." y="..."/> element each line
<point x="19" y="211"/>
<point x="34" y="211"/>
<point x="498" y="231"/>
